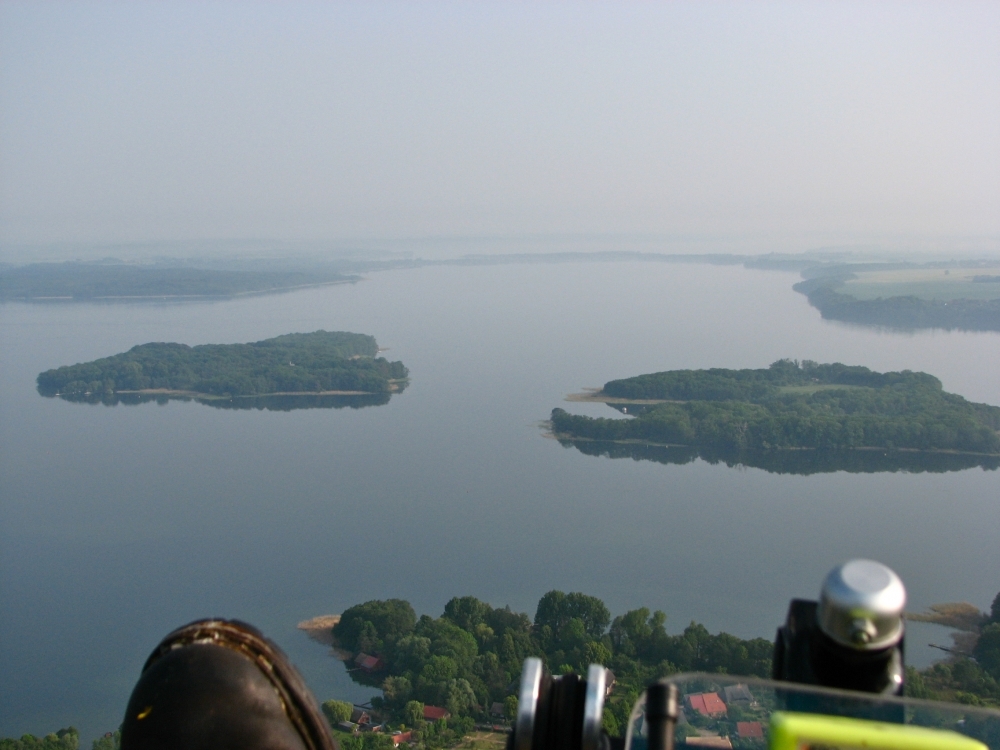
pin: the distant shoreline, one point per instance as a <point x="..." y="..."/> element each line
<point x="220" y="295"/>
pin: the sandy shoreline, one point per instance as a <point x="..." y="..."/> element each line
<point x="319" y="629"/>
<point x="597" y="396"/>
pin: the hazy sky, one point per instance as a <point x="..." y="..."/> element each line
<point x="170" y="121"/>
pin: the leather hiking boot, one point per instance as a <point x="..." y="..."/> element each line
<point x="217" y="684"/>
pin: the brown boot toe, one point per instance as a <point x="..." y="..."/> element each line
<point x="220" y="684"/>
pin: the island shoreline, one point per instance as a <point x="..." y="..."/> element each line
<point x="547" y="425"/>
<point x="393" y="388"/>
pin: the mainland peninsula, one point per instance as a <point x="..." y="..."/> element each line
<point x="117" y="281"/>
<point x="906" y="296"/>
<point x="296" y="364"/>
<point x="789" y="405"/>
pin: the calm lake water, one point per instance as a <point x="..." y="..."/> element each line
<point x="119" y="523"/>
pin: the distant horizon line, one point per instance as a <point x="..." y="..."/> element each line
<point x="830" y="239"/>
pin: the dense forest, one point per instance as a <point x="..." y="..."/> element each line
<point x="102" y="280"/>
<point x="906" y="312"/>
<point x="293" y="363"/>
<point x="793" y="405"/>
<point x="471" y="656"/>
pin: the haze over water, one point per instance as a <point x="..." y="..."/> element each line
<point x="319" y="131"/>
<point x="120" y="523"/>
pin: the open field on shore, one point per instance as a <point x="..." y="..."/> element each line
<point x="800" y="389"/>
<point x="930" y="284"/>
<point x="484" y="741"/>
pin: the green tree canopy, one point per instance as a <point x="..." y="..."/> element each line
<point x="557" y="611"/>
<point x="379" y="623"/>
<point x="413" y="713"/>
<point x="987" y="651"/>
<point x="467" y="612"/>
<point x="64" y="739"/>
<point x="337" y="711"/>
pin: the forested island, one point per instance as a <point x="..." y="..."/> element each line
<point x="788" y="406"/>
<point x="110" y="281"/>
<point x="322" y="362"/>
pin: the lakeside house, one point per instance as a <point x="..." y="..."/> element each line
<point x="367" y="663"/>
<point x="707" y="704"/>
<point x="436" y="713"/>
<point x="738" y="695"/>
<point x="360" y="717"/>
<point x="749" y="730"/>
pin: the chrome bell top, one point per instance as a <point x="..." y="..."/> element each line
<point x="861" y="606"/>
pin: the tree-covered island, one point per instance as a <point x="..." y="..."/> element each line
<point x="791" y="405"/>
<point x="296" y="363"/>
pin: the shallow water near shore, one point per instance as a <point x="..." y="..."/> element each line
<point x="118" y="523"/>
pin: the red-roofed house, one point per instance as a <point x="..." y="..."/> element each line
<point x="713" y="704"/>
<point x="400" y="737"/>
<point x="750" y="729"/>
<point x="371" y="664"/>
<point x="707" y="704"/>
<point x="436" y="713"/>
<point x="697" y="703"/>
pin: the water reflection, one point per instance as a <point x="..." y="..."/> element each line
<point x="277" y="402"/>
<point x="792" y="461"/>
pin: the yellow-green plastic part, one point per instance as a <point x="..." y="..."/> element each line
<point x="795" y="731"/>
